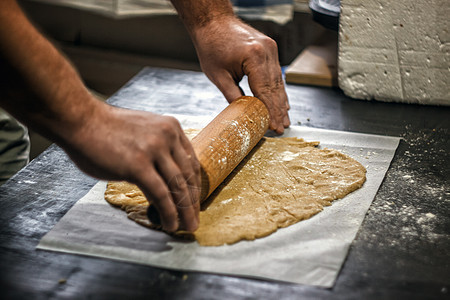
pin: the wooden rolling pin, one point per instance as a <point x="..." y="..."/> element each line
<point x="224" y="142"/>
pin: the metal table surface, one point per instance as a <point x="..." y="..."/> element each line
<point x="402" y="249"/>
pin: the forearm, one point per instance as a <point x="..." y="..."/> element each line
<point x="39" y="86"/>
<point x="199" y="13"/>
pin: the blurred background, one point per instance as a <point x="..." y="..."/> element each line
<point x="110" y="41"/>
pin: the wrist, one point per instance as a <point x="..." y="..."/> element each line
<point x="201" y="13"/>
<point x="218" y="28"/>
<point x="81" y="122"/>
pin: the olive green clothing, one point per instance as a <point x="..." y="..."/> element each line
<point x="14" y="146"/>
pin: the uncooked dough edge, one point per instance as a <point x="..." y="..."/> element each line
<point x="227" y="236"/>
<point x="138" y="213"/>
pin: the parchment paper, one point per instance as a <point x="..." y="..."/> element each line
<point x="310" y="252"/>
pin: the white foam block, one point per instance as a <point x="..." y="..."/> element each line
<point x="395" y="50"/>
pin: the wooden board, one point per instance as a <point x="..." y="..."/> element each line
<point x="317" y="63"/>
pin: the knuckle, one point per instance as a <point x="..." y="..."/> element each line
<point x="265" y="45"/>
<point x="269" y="43"/>
<point x="191" y="177"/>
<point x="146" y="180"/>
<point x="170" y="127"/>
<point x="172" y="120"/>
<point x="269" y="89"/>
<point x="139" y="172"/>
<point x="196" y="166"/>
<point x="258" y="49"/>
<point x="139" y="165"/>
<point x="177" y="183"/>
<point x="272" y="87"/>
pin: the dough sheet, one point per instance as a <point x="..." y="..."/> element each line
<point x="308" y="252"/>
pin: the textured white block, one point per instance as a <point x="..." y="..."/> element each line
<point x="395" y="50"/>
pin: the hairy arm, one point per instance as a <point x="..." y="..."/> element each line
<point x="38" y="83"/>
<point x="42" y="89"/>
<point x="228" y="49"/>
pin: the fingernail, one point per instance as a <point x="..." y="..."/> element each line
<point x="286" y="122"/>
<point x="280" y="129"/>
<point x="194" y="225"/>
<point x="170" y="227"/>
<point x="274" y="125"/>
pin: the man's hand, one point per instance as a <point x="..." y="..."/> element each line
<point x="231" y="49"/>
<point x="228" y="49"/>
<point x="149" y="150"/>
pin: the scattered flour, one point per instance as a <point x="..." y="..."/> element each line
<point x="403" y="216"/>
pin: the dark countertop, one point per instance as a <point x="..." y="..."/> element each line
<point x="402" y="249"/>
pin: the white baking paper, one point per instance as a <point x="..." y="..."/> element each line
<point x="310" y="252"/>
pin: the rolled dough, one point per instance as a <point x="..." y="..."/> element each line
<point x="281" y="182"/>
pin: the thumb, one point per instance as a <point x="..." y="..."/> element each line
<point x="229" y="88"/>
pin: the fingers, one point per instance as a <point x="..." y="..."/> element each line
<point x="228" y="86"/>
<point x="262" y="67"/>
<point x="270" y="90"/>
<point x="181" y="173"/>
<point x="234" y="49"/>
<point x="273" y="94"/>
<point x="192" y="170"/>
<point x="287" y="121"/>
<point x="155" y="188"/>
<point x="267" y="85"/>
<point x="182" y="199"/>
<point x="157" y="156"/>
<point x="187" y="202"/>
<point x="174" y="181"/>
<point x="175" y="196"/>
